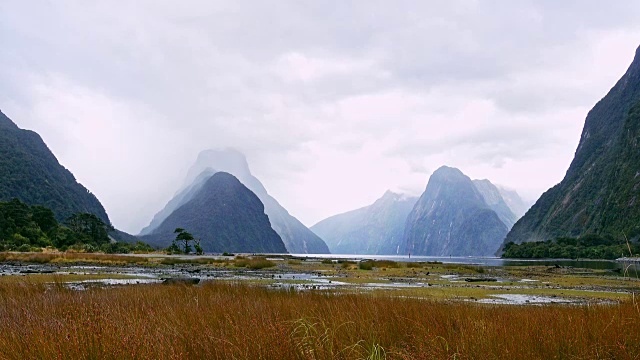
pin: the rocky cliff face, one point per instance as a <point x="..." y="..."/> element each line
<point x="599" y="193"/>
<point x="492" y="197"/>
<point x="513" y="200"/>
<point x="452" y="218"/>
<point x="30" y="172"/>
<point x="225" y="215"/>
<point x="297" y="237"/>
<point x="376" y="229"/>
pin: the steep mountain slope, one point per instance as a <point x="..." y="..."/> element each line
<point x="492" y="196"/>
<point x="225" y="215"/>
<point x="376" y="229"/>
<point x="181" y="198"/>
<point x="599" y="193"/>
<point x="452" y="218"/>
<point x="31" y="173"/>
<point x="513" y="200"/>
<point x="297" y="237"/>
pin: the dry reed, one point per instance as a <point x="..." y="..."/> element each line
<point x="231" y="321"/>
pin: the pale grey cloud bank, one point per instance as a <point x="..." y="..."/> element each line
<point x="332" y="102"/>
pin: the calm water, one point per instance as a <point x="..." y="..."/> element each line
<point x="633" y="268"/>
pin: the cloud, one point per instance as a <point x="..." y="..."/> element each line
<point x="333" y="103"/>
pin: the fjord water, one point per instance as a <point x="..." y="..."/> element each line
<point x="632" y="268"/>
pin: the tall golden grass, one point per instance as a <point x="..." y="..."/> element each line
<point x="231" y="321"/>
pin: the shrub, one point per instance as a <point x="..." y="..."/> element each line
<point x="346" y="264"/>
<point x="254" y="263"/>
<point x="24" y="248"/>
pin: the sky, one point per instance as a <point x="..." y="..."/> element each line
<point x="333" y="102"/>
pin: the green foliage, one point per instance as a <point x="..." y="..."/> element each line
<point x="173" y="249"/>
<point x="198" y="248"/>
<point x="589" y="246"/>
<point x="30" y="228"/>
<point x="126" y="248"/>
<point x="184" y="238"/>
<point x="382" y="264"/>
<point x="89" y="229"/>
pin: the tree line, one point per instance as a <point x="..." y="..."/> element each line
<point x="31" y="228"/>
<point x="589" y="246"/>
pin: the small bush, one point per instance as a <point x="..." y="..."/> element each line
<point x="327" y="261"/>
<point x="366" y="265"/>
<point x="24" y="248"/>
<point x="254" y="263"/>
<point x="346" y="264"/>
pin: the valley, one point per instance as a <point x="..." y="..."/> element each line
<point x="319" y="180"/>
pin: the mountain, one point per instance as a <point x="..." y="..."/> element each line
<point x="31" y="173"/>
<point x="452" y="218"/>
<point x="376" y="229"/>
<point x="513" y="200"/>
<point x="297" y="238"/>
<point x="600" y="192"/>
<point x="225" y="215"/>
<point x="181" y="198"/>
<point x="493" y="197"/>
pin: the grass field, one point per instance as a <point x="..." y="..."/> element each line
<point x="221" y="320"/>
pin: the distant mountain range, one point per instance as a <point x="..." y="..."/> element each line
<point x="372" y="230"/>
<point x="31" y="173"/>
<point x="225" y="215"/>
<point x="225" y="206"/>
<point x="296" y="237"/>
<point x="600" y="193"/>
<point x="454" y="216"/>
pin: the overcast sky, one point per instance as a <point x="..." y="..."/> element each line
<point x="333" y="102"/>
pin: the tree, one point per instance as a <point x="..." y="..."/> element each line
<point x="197" y="247"/>
<point x="184" y="237"/>
<point x="89" y="229"/>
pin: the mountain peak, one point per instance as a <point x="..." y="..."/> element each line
<point x="452" y="218"/>
<point x="446" y="172"/>
<point x="296" y="237"/>
<point x="226" y="216"/>
<point x="390" y="195"/>
<point x="227" y="159"/>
